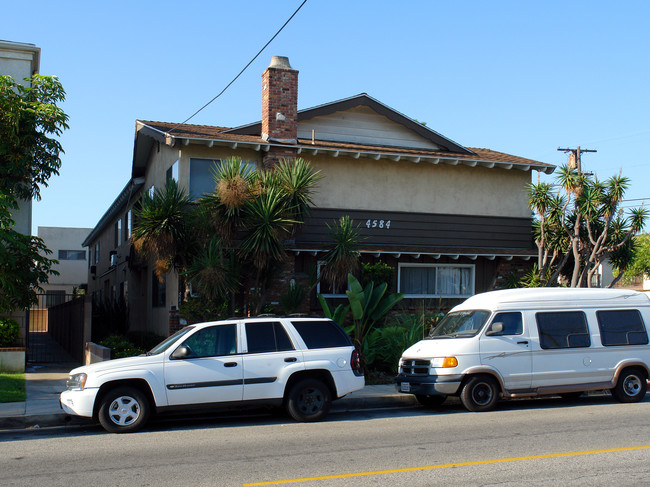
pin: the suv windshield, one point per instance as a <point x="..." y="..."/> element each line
<point x="167" y="342"/>
<point x="460" y="324"/>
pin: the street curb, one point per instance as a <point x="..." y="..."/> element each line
<point x="40" y="421"/>
<point x="345" y="404"/>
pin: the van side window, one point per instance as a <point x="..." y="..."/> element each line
<point x="563" y="329"/>
<point x="512" y="324"/>
<point x="621" y="327"/>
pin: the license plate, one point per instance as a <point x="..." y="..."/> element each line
<point x="405" y="387"/>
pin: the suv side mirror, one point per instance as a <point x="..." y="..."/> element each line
<point x="181" y="352"/>
<point x="495" y="329"/>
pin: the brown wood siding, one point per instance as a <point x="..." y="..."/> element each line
<point x="421" y="230"/>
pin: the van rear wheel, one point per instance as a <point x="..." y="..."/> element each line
<point x="480" y="393"/>
<point x="631" y="386"/>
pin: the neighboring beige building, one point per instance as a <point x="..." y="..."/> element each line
<point x="66" y="246"/>
<point x="20" y="61"/>
<point x="452" y="220"/>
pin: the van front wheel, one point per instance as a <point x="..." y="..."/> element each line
<point x="480" y="393"/>
<point x="631" y="386"/>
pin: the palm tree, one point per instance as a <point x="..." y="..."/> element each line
<point x="342" y="258"/>
<point x="161" y="227"/>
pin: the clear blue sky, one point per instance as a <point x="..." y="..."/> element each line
<point x="514" y="76"/>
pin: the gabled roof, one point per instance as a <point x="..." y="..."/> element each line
<point x="363" y="99"/>
<point x="149" y="132"/>
<point x="441" y="151"/>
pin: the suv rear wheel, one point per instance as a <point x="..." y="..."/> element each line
<point x="308" y="400"/>
<point x="123" y="410"/>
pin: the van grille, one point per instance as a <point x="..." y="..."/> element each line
<point x="415" y="367"/>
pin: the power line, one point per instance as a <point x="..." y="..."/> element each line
<point x="242" y="71"/>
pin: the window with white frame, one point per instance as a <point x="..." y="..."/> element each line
<point x="435" y="280"/>
<point x="330" y="289"/>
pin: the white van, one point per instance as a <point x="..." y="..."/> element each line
<point x="532" y="342"/>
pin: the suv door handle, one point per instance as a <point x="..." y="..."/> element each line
<point x="523" y="342"/>
<point x="230" y="364"/>
<point x="291" y="359"/>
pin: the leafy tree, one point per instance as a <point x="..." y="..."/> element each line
<point x="29" y="156"/>
<point x="635" y="261"/>
<point x="580" y="226"/>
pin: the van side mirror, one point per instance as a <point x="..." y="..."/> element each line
<point x="181" y="352"/>
<point x="495" y="329"/>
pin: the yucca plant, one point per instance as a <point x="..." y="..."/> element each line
<point x="161" y="227"/>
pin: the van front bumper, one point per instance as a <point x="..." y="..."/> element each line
<point x="429" y="385"/>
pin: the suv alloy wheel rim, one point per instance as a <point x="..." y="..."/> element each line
<point x="311" y="400"/>
<point x="124" y="410"/>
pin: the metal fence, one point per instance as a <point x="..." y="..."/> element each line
<point x="56" y="329"/>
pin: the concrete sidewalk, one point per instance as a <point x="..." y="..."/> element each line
<point x="44" y="383"/>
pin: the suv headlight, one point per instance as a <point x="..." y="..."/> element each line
<point x="76" y="381"/>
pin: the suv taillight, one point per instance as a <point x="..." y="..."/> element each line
<point x="355" y="362"/>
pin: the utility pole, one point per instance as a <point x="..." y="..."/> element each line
<point x="576" y="156"/>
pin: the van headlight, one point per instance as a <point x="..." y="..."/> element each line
<point x="76" y="381"/>
<point x="444" y="362"/>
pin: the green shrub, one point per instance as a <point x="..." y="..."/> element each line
<point x="378" y="273"/>
<point x="121" y="347"/>
<point x="199" y="310"/>
<point x="9" y="332"/>
<point x="292" y="298"/>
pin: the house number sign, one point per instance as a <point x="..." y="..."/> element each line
<point x="382" y="224"/>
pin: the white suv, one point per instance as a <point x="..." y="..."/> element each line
<point x="299" y="363"/>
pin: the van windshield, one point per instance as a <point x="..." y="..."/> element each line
<point x="460" y="324"/>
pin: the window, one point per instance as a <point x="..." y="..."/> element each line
<point x="96" y="252"/>
<point x="267" y="337"/>
<point x="563" y="329"/>
<point x="322" y="334"/>
<point x="621" y="327"/>
<point x="158" y="290"/>
<point x="330" y="289"/>
<point x="172" y="173"/>
<point x="127" y="225"/>
<point x="201" y="180"/>
<point x="118" y="233"/>
<point x="436" y="280"/>
<point x="202" y="172"/>
<point x="512" y="323"/>
<point x="72" y="255"/>
<point x="213" y="341"/>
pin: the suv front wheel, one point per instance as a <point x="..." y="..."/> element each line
<point x="123" y="410"/>
<point x="308" y="400"/>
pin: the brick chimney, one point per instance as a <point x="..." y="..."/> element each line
<point x="279" y="107"/>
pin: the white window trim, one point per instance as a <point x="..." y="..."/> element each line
<point x="471" y="289"/>
<point x="321" y="263"/>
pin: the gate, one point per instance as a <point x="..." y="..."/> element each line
<point x="56" y="325"/>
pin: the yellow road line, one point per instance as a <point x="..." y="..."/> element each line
<point x="449" y="465"/>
